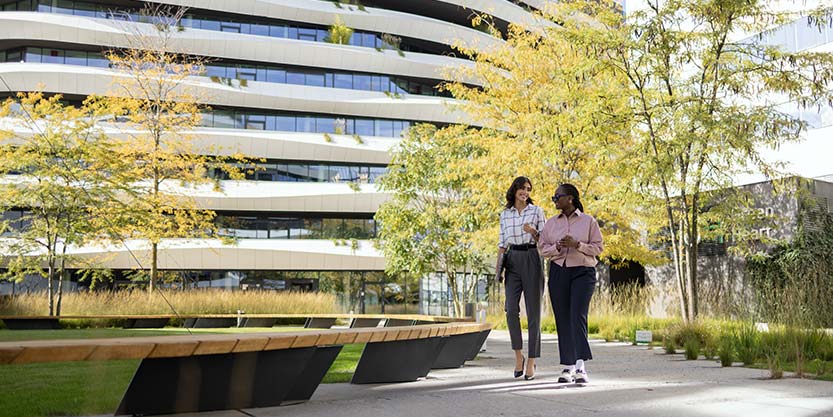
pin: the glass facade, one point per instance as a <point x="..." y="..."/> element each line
<point x="294" y="122"/>
<point x="203" y="20"/>
<point x="277" y="226"/>
<point x="261" y="73"/>
<point x="307" y="172"/>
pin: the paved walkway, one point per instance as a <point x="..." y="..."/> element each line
<point x="625" y="381"/>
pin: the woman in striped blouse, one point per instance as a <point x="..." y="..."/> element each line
<point x="520" y="223"/>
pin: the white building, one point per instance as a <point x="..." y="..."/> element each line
<point x="305" y="104"/>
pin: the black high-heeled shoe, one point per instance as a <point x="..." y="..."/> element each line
<point x="523" y="366"/>
<point x="531" y="377"/>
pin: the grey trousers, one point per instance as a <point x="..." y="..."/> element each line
<point x="570" y="291"/>
<point x="524" y="274"/>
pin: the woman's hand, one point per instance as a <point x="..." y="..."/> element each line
<point x="568" y="242"/>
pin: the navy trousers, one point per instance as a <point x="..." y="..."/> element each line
<point x="570" y="291"/>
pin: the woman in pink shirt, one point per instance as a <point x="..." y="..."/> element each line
<point x="571" y="241"/>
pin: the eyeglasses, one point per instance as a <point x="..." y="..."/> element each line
<point x="557" y="196"/>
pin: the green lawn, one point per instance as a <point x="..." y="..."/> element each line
<point x="83" y="388"/>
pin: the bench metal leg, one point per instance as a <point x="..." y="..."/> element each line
<point x="214" y="382"/>
<point x="32" y="324"/>
<point x="396" y="361"/>
<point x="361" y="322"/>
<point x="456" y="350"/>
<point x="145" y="323"/>
<point x="319" y="323"/>
<point x="398" y="322"/>
<point x="311" y="377"/>
<point x="210" y="322"/>
<point x="258" y="322"/>
<point x="475" y="349"/>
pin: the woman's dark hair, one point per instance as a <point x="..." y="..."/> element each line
<point x="571" y="189"/>
<point x="516" y="185"/>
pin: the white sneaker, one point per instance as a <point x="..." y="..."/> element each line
<point x="566" y="376"/>
<point x="581" y="377"/>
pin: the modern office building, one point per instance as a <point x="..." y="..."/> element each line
<point x="323" y="116"/>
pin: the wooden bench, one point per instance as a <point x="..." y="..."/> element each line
<point x="233" y="371"/>
<point x="316" y="321"/>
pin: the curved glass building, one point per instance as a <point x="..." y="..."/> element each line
<point x="323" y="116"/>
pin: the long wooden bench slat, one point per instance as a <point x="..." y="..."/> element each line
<point x="327" y="339"/>
<point x="165" y="349"/>
<point x="346" y="338"/>
<point x="193" y="345"/>
<point x="283" y="341"/>
<point x="305" y="340"/>
<point x="213" y="347"/>
<point x="7" y="355"/>
<point x="254" y="343"/>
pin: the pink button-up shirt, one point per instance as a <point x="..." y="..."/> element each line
<point x="583" y="228"/>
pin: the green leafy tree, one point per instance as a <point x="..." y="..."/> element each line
<point x="426" y="227"/>
<point x="339" y="33"/>
<point x="548" y="109"/>
<point x="158" y="107"/>
<point x="702" y="103"/>
<point x="63" y="166"/>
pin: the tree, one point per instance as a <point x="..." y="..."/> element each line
<point x="158" y="106"/>
<point x="548" y="109"/>
<point x="339" y="33"/>
<point x="426" y="227"/>
<point x="702" y="105"/>
<point x="63" y="166"/>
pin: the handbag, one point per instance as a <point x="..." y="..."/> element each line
<point x="503" y="261"/>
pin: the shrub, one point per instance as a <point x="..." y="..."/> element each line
<point x="668" y="345"/>
<point x="726" y="350"/>
<point x="748" y="344"/>
<point x="692" y="349"/>
<point x="710" y="348"/>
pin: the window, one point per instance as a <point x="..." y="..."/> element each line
<point x="305" y="124"/>
<point x="75" y="58"/>
<point x="307" y="34"/>
<point x="384" y="128"/>
<point x="325" y="125"/>
<point x="223" y="120"/>
<point x="256" y="122"/>
<point x="342" y="80"/>
<point x="285" y="123"/>
<point x="280" y="31"/>
<point x="315" y="79"/>
<point x="364" y="127"/>
<point x="275" y="75"/>
<point x="33" y="55"/>
<point x="260" y="30"/>
<point x="361" y="82"/>
<point x="295" y="77"/>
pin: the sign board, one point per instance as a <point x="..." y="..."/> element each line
<point x="644" y="336"/>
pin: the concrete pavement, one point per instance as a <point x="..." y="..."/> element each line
<point x="625" y="381"/>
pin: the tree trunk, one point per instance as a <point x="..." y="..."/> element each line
<point x="154" y="247"/>
<point x="679" y="265"/>
<point x="61" y="280"/>
<point x="691" y="284"/>
<point x="455" y="294"/>
<point x="49" y="290"/>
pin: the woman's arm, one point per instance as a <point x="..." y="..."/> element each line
<point x="595" y="245"/>
<point x="547" y="243"/>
